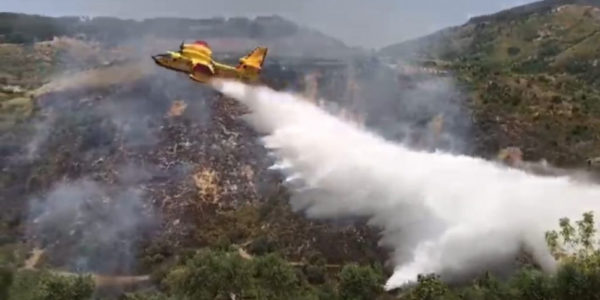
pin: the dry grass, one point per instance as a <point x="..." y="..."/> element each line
<point x="207" y="182"/>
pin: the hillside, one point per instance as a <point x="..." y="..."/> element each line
<point x="284" y="38"/>
<point x="533" y="74"/>
<point x="146" y="182"/>
<point x="114" y="167"/>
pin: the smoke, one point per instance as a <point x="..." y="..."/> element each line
<point x="129" y="111"/>
<point x="94" y="226"/>
<point x="42" y="129"/>
<point x="85" y="123"/>
<point x="417" y="108"/>
<point x="444" y="213"/>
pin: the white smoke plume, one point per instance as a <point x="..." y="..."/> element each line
<point x="443" y="213"/>
<point x="93" y="225"/>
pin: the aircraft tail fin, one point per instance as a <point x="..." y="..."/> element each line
<point x="254" y="59"/>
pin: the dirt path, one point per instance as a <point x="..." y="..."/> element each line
<point x="34" y="259"/>
<point x="100" y="281"/>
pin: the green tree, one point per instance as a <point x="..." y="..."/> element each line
<point x="262" y="245"/>
<point x="360" y="282"/>
<point x="211" y="275"/>
<point x="315" y="270"/>
<point x="44" y="285"/>
<point x="6" y="279"/>
<point x="578" y="276"/>
<point x="429" y="287"/>
<point x="575" y="248"/>
<point x="276" y="279"/>
<point x="512" y="51"/>
<point x="575" y="244"/>
<point x="57" y="287"/>
<point x="532" y="284"/>
<point x="218" y="275"/>
<point x="571" y="282"/>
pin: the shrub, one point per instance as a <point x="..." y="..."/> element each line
<point x="56" y="287"/>
<point x="512" y="51"/>
<point x="219" y="274"/>
<point x="211" y="275"/>
<point x="359" y="282"/>
<point x="262" y="245"/>
<point x="43" y="285"/>
<point x="532" y="284"/>
<point x="429" y="287"/>
<point x="6" y="279"/>
<point x="275" y="279"/>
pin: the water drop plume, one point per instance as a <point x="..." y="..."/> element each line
<point x="449" y="214"/>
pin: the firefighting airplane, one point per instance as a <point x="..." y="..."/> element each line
<point x="195" y="59"/>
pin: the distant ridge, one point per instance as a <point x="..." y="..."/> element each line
<point x="413" y="47"/>
<point x="532" y="73"/>
<point x="527" y="9"/>
<point x="231" y="34"/>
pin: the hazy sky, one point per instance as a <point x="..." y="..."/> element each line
<point x="367" y="23"/>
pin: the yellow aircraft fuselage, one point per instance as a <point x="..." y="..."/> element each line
<point x="196" y="60"/>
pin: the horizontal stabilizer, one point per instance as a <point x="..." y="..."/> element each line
<point x="254" y="59"/>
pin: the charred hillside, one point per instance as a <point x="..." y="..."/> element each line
<point x="114" y="167"/>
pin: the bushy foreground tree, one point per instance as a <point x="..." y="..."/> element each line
<point x="43" y="285"/>
<point x="224" y="274"/>
<point x="221" y="275"/>
<point x="360" y="282"/>
<point x="213" y="274"/>
<point x="6" y="279"/>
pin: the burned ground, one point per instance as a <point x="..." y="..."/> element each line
<point x="108" y="179"/>
<point x="122" y="169"/>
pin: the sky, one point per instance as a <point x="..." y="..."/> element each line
<point x="369" y="24"/>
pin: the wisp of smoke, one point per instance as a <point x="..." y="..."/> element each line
<point x="96" y="225"/>
<point x="443" y="213"/>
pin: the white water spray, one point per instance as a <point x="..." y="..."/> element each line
<point x="441" y="213"/>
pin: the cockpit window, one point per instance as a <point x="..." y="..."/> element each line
<point x="164" y="56"/>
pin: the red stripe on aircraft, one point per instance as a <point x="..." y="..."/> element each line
<point x="203" y="43"/>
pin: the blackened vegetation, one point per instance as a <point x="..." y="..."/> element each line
<point x="106" y="181"/>
<point x="85" y="225"/>
<point x="121" y="180"/>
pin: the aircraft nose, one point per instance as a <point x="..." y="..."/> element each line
<point x="158" y="57"/>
